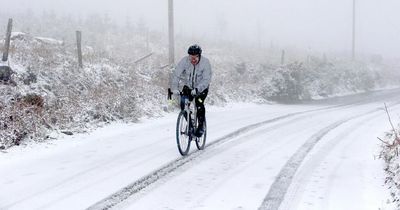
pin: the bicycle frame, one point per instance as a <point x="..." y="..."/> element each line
<point x="185" y="133"/>
<point x="191" y="116"/>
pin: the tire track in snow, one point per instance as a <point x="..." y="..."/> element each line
<point x="151" y="178"/>
<point x="279" y="187"/>
<point x="74" y="176"/>
<point x="308" y="168"/>
<point x="172" y="166"/>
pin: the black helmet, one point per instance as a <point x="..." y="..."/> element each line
<point x="194" y="50"/>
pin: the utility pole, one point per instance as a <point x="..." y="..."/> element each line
<point x="283" y="57"/>
<point x="79" y="47"/>
<point x="171" y="32"/>
<point x="7" y="41"/>
<point x="147" y="40"/>
<point x="353" y="52"/>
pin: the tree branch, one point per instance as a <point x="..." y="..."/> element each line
<point x="390" y="121"/>
<point x="383" y="141"/>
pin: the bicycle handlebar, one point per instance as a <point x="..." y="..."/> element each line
<point x="170" y="93"/>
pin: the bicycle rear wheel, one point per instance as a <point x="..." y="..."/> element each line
<point x="182" y="134"/>
<point x="201" y="141"/>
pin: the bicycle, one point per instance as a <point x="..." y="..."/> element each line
<point x="186" y="126"/>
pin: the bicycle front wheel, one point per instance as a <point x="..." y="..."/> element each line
<point x="182" y="134"/>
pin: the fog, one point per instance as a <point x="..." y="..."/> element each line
<point x="312" y="25"/>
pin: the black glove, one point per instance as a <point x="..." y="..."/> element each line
<point x="169" y="94"/>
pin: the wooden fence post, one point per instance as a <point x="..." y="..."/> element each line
<point x="283" y="57"/>
<point x="79" y="47"/>
<point x="8" y="38"/>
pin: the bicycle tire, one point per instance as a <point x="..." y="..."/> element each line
<point x="201" y="141"/>
<point x="182" y="134"/>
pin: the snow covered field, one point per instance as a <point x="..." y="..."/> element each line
<point x="311" y="156"/>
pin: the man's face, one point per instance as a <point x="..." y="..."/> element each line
<point x="194" y="59"/>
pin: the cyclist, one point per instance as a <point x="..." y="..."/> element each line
<point x="192" y="77"/>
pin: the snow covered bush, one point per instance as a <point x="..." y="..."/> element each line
<point x="20" y="118"/>
<point x="319" y="78"/>
<point x="390" y="154"/>
<point x="51" y="92"/>
<point x="287" y="84"/>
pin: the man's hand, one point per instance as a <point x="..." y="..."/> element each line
<point x="172" y="92"/>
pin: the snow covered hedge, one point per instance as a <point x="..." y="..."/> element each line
<point x="297" y="81"/>
<point x="47" y="91"/>
<point x="390" y="154"/>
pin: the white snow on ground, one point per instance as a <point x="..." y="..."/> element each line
<point x="75" y="172"/>
<point x="343" y="171"/>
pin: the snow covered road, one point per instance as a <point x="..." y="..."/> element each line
<point x="315" y="156"/>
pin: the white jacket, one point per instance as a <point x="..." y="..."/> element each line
<point x="194" y="76"/>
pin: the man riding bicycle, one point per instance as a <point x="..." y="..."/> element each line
<point x="191" y="79"/>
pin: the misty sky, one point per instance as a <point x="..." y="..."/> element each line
<point x="313" y="25"/>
